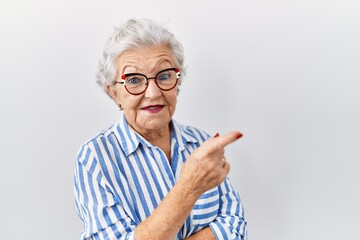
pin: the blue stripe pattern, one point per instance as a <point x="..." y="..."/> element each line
<point x="120" y="179"/>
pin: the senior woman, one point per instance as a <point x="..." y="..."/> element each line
<point x="148" y="176"/>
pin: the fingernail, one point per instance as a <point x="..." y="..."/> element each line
<point x="239" y="135"/>
<point x="216" y="135"/>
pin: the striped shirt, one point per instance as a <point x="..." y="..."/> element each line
<point x="120" y="179"/>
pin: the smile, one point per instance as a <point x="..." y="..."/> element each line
<point x="153" y="108"/>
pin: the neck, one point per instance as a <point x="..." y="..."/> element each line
<point x="161" y="139"/>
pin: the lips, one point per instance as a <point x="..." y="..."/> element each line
<point x="153" y="108"/>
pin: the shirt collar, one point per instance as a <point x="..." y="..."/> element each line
<point x="129" y="139"/>
<point x="181" y="135"/>
<point x="126" y="135"/>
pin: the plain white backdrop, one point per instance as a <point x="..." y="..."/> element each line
<point x="285" y="73"/>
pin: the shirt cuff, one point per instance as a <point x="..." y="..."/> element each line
<point x="220" y="232"/>
<point x="131" y="236"/>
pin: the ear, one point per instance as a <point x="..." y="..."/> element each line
<point x="111" y="91"/>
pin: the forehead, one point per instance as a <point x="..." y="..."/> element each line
<point x="145" y="60"/>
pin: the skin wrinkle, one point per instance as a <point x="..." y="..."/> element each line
<point x="154" y="127"/>
<point x="125" y="61"/>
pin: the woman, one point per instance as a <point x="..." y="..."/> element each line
<point x="148" y="176"/>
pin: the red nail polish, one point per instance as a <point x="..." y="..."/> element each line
<point x="239" y="135"/>
<point x="216" y="135"/>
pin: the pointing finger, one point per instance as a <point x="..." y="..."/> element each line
<point x="228" y="138"/>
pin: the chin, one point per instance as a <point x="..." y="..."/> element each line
<point x="156" y="124"/>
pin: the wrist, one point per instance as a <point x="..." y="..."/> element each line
<point x="187" y="191"/>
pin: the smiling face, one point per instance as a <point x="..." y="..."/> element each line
<point x="151" y="111"/>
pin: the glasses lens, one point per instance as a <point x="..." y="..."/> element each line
<point x="166" y="79"/>
<point x="135" y="83"/>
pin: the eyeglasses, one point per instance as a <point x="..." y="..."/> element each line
<point x="137" y="83"/>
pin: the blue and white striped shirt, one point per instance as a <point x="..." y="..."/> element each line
<point x="121" y="178"/>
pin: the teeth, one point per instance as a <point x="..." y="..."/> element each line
<point x="153" y="107"/>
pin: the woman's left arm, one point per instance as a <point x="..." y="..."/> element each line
<point x="230" y="222"/>
<point x="205" y="233"/>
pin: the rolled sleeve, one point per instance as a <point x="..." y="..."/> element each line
<point x="230" y="223"/>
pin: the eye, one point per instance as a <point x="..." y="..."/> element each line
<point x="134" y="80"/>
<point x="164" y="76"/>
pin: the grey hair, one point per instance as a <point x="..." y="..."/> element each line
<point x="134" y="34"/>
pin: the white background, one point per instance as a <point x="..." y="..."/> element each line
<point x="285" y="73"/>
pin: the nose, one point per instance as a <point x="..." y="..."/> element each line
<point x="152" y="90"/>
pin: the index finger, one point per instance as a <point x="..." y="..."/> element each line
<point x="228" y="138"/>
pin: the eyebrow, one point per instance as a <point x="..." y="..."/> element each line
<point x="154" y="67"/>
<point x="133" y="73"/>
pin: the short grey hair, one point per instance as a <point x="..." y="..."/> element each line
<point x="135" y="34"/>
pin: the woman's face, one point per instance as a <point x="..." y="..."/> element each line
<point x="152" y="110"/>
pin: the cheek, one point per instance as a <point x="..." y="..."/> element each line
<point x="122" y="97"/>
<point x="117" y="96"/>
<point x="130" y="102"/>
<point x="172" y="100"/>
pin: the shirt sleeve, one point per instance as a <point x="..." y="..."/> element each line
<point x="102" y="215"/>
<point x="230" y="223"/>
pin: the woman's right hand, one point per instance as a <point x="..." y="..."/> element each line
<point x="206" y="167"/>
